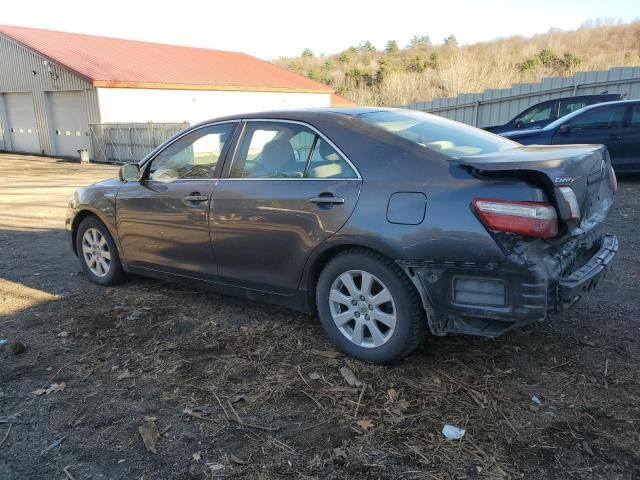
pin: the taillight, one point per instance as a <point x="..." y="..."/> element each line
<point x="569" y="197"/>
<point x="614" y="180"/>
<point x="531" y="219"/>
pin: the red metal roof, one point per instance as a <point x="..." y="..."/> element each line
<point x="113" y="62"/>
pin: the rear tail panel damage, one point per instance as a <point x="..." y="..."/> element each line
<point x="536" y="275"/>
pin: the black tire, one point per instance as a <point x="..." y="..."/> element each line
<point x="115" y="273"/>
<point x="410" y="323"/>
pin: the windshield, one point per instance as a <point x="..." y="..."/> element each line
<point x="450" y="138"/>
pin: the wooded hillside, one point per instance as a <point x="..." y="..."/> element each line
<point x="424" y="70"/>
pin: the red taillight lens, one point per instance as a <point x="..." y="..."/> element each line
<point x="531" y="219"/>
<point x="614" y="181"/>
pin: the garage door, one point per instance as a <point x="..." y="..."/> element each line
<point x="21" y="123"/>
<point x="68" y="122"/>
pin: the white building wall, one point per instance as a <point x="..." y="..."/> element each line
<point x="128" y="105"/>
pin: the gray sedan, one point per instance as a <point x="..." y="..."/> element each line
<point x="385" y="223"/>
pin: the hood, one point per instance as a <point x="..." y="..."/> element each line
<point x="109" y="182"/>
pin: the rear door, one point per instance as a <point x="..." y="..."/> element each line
<point x="629" y="159"/>
<point x="286" y="189"/>
<point x="600" y="125"/>
<point x="163" y="220"/>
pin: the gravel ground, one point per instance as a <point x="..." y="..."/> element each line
<point x="227" y="388"/>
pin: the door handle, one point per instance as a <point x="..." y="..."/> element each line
<point x="327" y="200"/>
<point x="615" y="137"/>
<point x="196" y="197"/>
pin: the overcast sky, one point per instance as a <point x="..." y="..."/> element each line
<point x="274" y="28"/>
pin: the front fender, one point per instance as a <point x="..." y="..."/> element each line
<point x="98" y="200"/>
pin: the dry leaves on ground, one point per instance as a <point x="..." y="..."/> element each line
<point x="149" y="433"/>
<point x="54" y="387"/>
<point x="365" y="424"/>
<point x="350" y="377"/>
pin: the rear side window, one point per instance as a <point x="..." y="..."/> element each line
<point x="599" y="118"/>
<point x="286" y="150"/>
<point x="326" y="162"/>
<point x="570" y="106"/>
<point x="453" y="139"/>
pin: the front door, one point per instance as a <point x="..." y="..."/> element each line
<point x="287" y="189"/>
<point x="163" y="220"/>
<point x="600" y="125"/>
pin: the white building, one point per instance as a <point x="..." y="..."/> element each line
<point x="54" y="85"/>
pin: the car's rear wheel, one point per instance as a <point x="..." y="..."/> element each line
<point x="98" y="253"/>
<point x="369" y="308"/>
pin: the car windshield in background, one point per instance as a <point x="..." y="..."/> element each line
<point x="453" y="139"/>
<point x="565" y="119"/>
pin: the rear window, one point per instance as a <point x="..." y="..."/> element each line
<point x="453" y="139"/>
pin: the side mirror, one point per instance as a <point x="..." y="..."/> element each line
<point x="564" y="129"/>
<point x="129" y="173"/>
<point x="519" y="124"/>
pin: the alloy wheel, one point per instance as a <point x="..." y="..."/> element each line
<point x="95" y="251"/>
<point x="362" y="308"/>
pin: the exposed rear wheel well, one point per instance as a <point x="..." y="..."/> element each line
<point x="328" y="255"/>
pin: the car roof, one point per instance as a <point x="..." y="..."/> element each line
<point x="615" y="102"/>
<point x="600" y="105"/>
<point x="592" y="95"/>
<point x="302" y="114"/>
<point x="572" y="115"/>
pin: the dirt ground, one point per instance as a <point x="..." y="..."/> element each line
<point x="236" y="389"/>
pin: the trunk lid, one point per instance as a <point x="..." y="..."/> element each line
<point x="584" y="168"/>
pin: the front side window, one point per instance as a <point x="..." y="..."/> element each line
<point x="453" y="139"/>
<point x="539" y="113"/>
<point x="286" y="150"/>
<point x="599" y="118"/>
<point x="194" y="156"/>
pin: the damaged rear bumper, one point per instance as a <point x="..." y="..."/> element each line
<point x="572" y="287"/>
<point x="492" y="299"/>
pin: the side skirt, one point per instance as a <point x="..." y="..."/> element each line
<point x="297" y="301"/>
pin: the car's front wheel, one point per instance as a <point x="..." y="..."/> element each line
<point x="369" y="308"/>
<point x="98" y="253"/>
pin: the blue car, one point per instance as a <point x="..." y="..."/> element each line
<point x="614" y="124"/>
<point x="542" y="114"/>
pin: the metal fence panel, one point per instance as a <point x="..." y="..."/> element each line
<point x="498" y="106"/>
<point x="129" y="142"/>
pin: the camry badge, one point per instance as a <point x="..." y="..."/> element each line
<point x="564" y="179"/>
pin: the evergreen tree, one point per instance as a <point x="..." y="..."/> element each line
<point x="391" y="47"/>
<point x="419" y="41"/>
